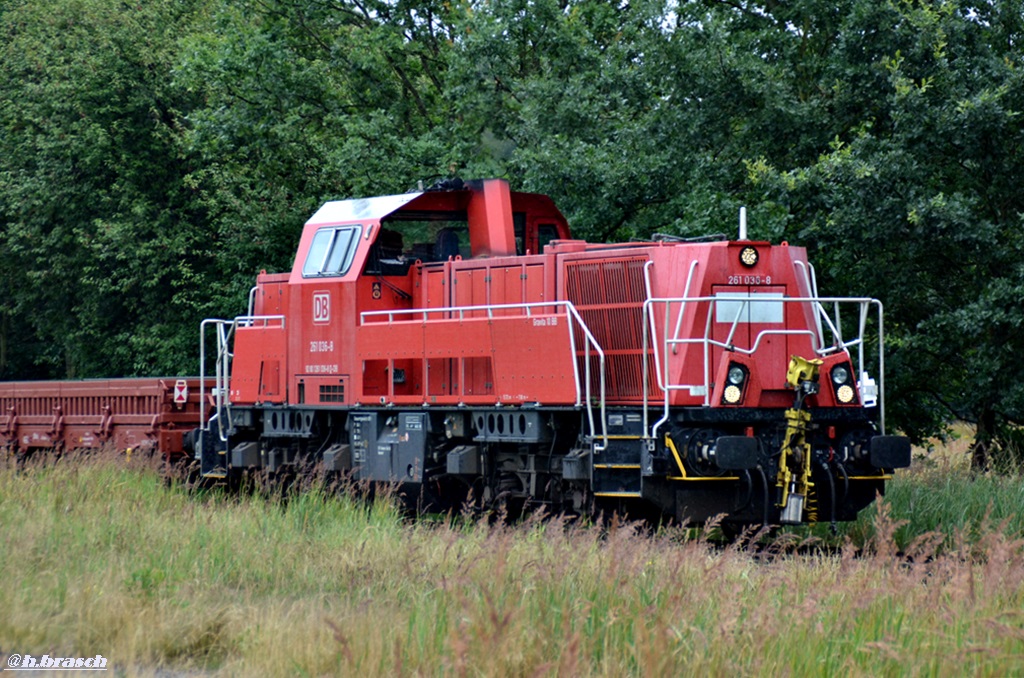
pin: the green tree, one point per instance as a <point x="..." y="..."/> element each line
<point x="604" y="106"/>
<point x="915" y="201"/>
<point x="307" y="101"/>
<point x="154" y="158"/>
<point x="97" y="226"/>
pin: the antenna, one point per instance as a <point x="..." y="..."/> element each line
<point x="743" y="223"/>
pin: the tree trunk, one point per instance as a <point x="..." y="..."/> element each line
<point x="983" y="440"/>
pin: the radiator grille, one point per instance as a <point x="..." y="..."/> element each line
<point x="609" y="295"/>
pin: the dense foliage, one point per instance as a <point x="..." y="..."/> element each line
<point x="154" y="156"/>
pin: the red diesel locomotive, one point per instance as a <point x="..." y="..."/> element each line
<point x="458" y="341"/>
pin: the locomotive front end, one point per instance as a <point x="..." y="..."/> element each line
<point x="768" y="413"/>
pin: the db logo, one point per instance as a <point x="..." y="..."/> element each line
<point x="321" y="308"/>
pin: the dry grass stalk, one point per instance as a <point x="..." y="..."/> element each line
<point x="107" y="558"/>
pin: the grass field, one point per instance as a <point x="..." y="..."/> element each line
<point x="100" y="557"/>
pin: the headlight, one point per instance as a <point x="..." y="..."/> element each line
<point x="748" y="256"/>
<point x="842" y="381"/>
<point x="735" y="379"/>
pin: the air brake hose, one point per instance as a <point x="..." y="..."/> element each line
<point x="846" y="479"/>
<point x="832" y="498"/>
<point x="750" y="492"/>
<point x="764" y="484"/>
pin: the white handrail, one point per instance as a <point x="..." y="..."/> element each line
<point x="252" y="299"/>
<point x="591" y="343"/>
<point x="812" y="288"/>
<point x="225" y="330"/>
<point x="707" y="342"/>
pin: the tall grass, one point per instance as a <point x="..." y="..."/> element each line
<point x="101" y="558"/>
<point x="940" y="494"/>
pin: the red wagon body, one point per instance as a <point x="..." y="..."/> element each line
<point x="146" y="414"/>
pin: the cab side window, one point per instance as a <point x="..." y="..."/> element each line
<point x="545" y="234"/>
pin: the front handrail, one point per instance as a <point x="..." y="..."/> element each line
<point x="819" y="344"/>
<point x="584" y="396"/>
<point x="225" y="330"/>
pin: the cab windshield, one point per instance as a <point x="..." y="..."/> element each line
<point x="332" y="251"/>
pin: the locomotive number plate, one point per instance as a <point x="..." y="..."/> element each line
<point x="750" y="280"/>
